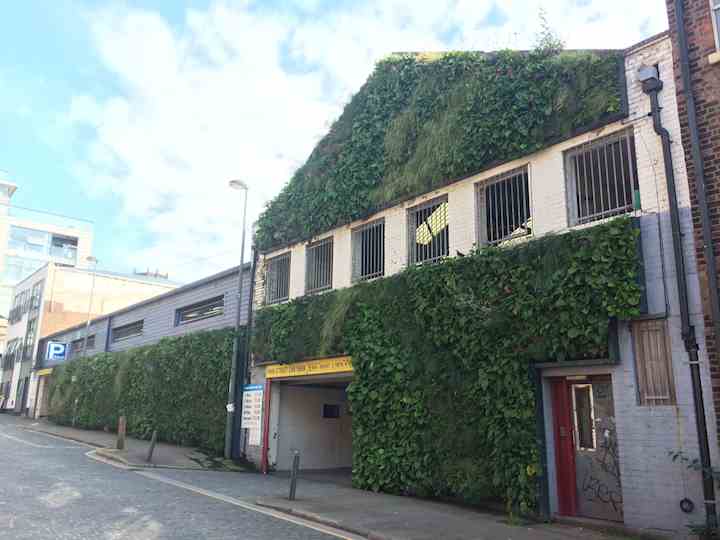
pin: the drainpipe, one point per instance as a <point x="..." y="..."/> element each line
<point x="698" y="165"/>
<point x="652" y="85"/>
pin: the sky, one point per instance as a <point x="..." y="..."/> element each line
<point x="136" y="114"/>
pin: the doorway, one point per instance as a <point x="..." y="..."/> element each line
<point x="586" y="449"/>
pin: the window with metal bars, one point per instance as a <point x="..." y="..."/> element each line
<point x="277" y="279"/>
<point x="428" y="232"/>
<point x="602" y="178"/>
<point x="201" y="310"/>
<point x="503" y="204"/>
<point x="368" y="249"/>
<point x="126" y="331"/>
<point x="653" y="367"/>
<point x="318" y="267"/>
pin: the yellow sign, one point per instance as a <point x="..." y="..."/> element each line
<point x="339" y="364"/>
<point x="46" y="371"/>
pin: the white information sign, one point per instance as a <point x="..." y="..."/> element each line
<point x="252" y="412"/>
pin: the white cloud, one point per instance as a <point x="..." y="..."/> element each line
<point x="214" y="99"/>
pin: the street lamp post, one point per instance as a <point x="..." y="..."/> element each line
<point x="92" y="260"/>
<point x="237" y="368"/>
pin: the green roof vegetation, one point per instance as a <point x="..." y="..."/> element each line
<point x="423" y="120"/>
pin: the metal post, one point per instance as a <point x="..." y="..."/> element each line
<point x="153" y="442"/>
<point x="122" y="429"/>
<point x="89" y="313"/>
<point x="235" y="363"/>
<point x="294" y="474"/>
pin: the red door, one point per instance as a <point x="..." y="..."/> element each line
<point x="564" y="448"/>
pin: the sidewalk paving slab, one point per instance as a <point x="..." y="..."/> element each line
<point x="135" y="454"/>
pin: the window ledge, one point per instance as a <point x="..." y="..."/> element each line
<point x="714" y="58"/>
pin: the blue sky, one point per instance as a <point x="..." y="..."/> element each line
<point x="135" y="114"/>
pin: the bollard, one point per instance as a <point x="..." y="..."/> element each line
<point x="293" y="474"/>
<point x="153" y="442"/>
<point x="122" y="428"/>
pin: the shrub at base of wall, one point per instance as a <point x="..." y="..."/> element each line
<point x="177" y="386"/>
<point x="442" y="398"/>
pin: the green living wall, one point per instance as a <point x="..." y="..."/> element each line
<point x="423" y="120"/>
<point x="442" y="398"/>
<point x="177" y="386"/>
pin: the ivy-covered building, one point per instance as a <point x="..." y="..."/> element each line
<point x="478" y="287"/>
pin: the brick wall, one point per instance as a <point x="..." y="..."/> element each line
<point x="705" y="77"/>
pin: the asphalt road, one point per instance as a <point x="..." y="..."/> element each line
<point x="50" y="489"/>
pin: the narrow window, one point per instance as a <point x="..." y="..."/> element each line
<point x="91" y="342"/>
<point x="584" y="416"/>
<point x="277" y="279"/>
<point x="503" y="204"/>
<point x="656" y="385"/>
<point x="126" y="331"/>
<point x="428" y="232"/>
<point x="201" y="310"/>
<point x="716" y="20"/>
<point x="602" y="179"/>
<point x="318" y="269"/>
<point x="368" y="249"/>
<point x="29" y="339"/>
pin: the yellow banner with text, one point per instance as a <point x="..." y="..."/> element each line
<point x="323" y="366"/>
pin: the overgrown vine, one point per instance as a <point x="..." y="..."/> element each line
<point x="422" y="120"/>
<point x="442" y="399"/>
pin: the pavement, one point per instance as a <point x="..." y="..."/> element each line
<point x="55" y="490"/>
<point x="136" y="450"/>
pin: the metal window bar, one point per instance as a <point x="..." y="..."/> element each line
<point x="428" y="232"/>
<point x="201" y="310"/>
<point x="716" y="16"/>
<point x="277" y="279"/>
<point x="318" y="268"/>
<point x="368" y="245"/>
<point x="602" y="178"/>
<point x="120" y="333"/>
<point x="503" y="204"/>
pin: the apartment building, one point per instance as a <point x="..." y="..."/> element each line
<point x="29" y="239"/>
<point x="54" y="297"/>
<point x="646" y="398"/>
<point x="207" y="304"/>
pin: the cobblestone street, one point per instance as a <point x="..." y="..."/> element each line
<point x="50" y="489"/>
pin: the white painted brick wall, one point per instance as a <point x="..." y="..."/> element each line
<point x="652" y="484"/>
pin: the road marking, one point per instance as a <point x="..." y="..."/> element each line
<point x="35" y="445"/>
<point x="249" y="506"/>
<point x="16" y="439"/>
<point x="75" y="443"/>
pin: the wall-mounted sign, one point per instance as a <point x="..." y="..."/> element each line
<point x="323" y="366"/>
<point x="55" y="353"/>
<point x="252" y="405"/>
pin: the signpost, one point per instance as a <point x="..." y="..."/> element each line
<point x="252" y="405"/>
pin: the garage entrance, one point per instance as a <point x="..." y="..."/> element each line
<point x="309" y="414"/>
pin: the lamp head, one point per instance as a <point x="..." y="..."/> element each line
<point x="238" y="184"/>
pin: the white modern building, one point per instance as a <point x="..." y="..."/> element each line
<point x="30" y="238"/>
